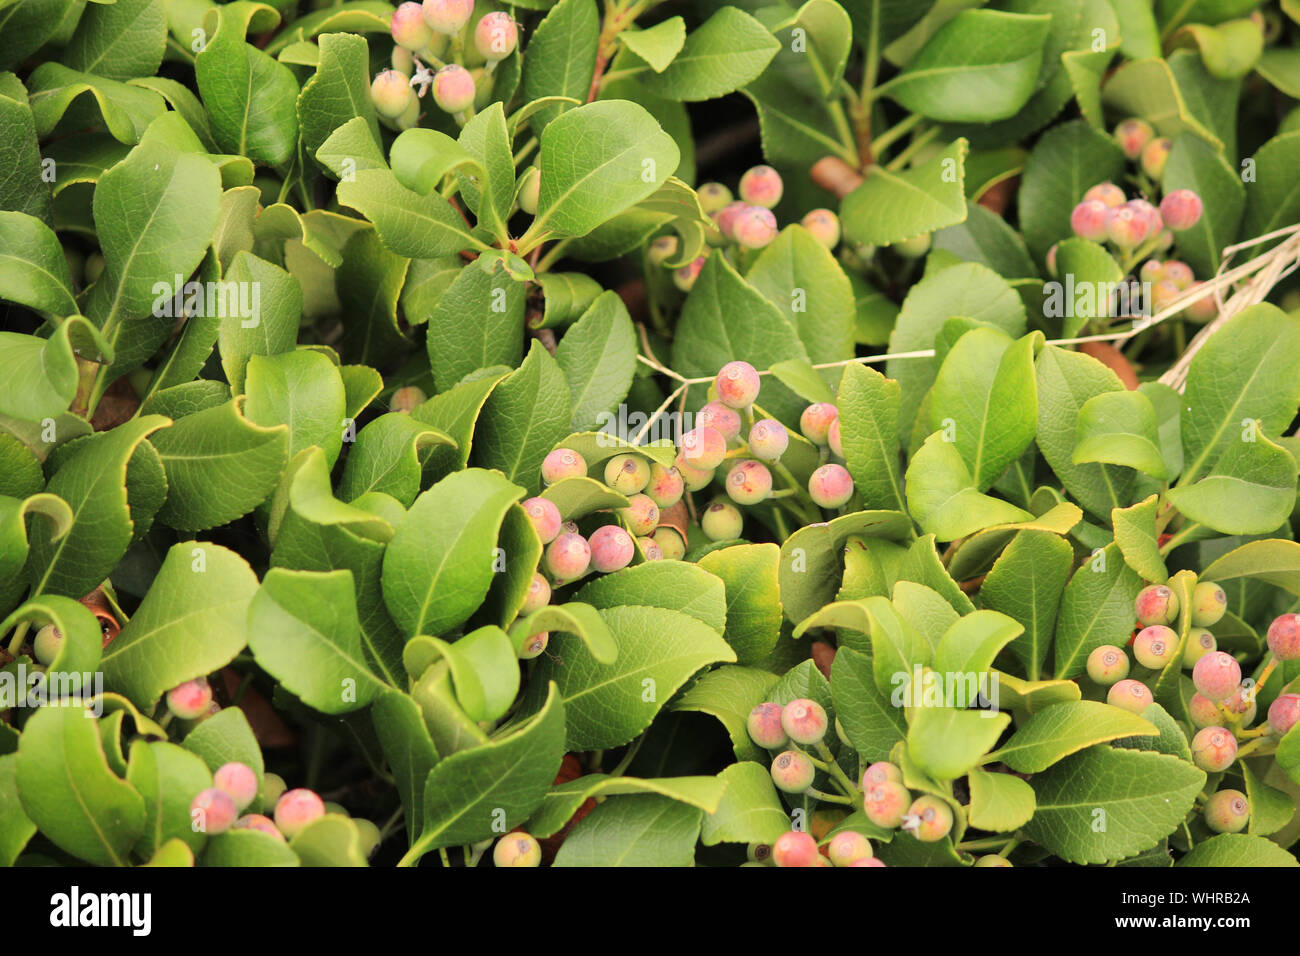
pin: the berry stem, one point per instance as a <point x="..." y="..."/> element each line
<point x="1266" y="673"/>
<point x="828" y="797"/>
<point x="628" y="757"/>
<point x="16" y="642"/>
<point x="897" y="131"/>
<point x="919" y="141"/>
<point x="833" y="767"/>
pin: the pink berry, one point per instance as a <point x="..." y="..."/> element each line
<point x="213" y="811"/>
<point x="804" y="721"/>
<point x="755" y="227"/>
<point x="1201" y="309"/>
<point x="666" y="485"/>
<point x="256" y="821"/>
<point x="717" y="415"/>
<point x="1203" y="711"/>
<point x="1156" y="604"/>
<point x="848" y="847"/>
<point x="764" y="725"/>
<point x="886" y="803"/>
<point x="761" y="186"/>
<point x="650" y="549"/>
<point x="714" y="197"/>
<point x="453" y="88"/>
<point x="1180" y="274"/>
<point x="297" y="808"/>
<point x="1217" y="675"/>
<point x="1227" y="811"/>
<point x="1163" y="294"/>
<point x="725" y="218"/>
<point x="538" y="596"/>
<point x="871" y="861"/>
<point x="545" y="518"/>
<point x="684" y="278"/>
<point x="1154" y="157"/>
<point x="1181" y="209"/>
<point x="1130" y="695"/>
<point x="563" y="463"/>
<point x="795" y="848"/>
<point x="1154" y="646"/>
<point x="830" y="486"/>
<point x="749" y="482"/>
<point x="880" y="772"/>
<point x="1214" y="749"/>
<point x="409" y="28"/>
<point x="612" y="548"/>
<point x="928" y="819"/>
<point x="815" y="422"/>
<point x="627" y="474"/>
<point x="1132" y="135"/>
<point x="1088" y="220"/>
<point x="641" y="515"/>
<point x="695" y="479"/>
<point x="703" y="447"/>
<point x="1284" y="637"/>
<point x="1283" y="713"/>
<point x="448" y="16"/>
<point x="238" y="780"/>
<point x="1242" y="703"/>
<point x="1126" y="227"/>
<point x="190" y="700"/>
<point x="568" y="556"/>
<point x="391" y="93"/>
<point x="1108" y="193"/>
<point x="496" y="36"/>
<point x="793" y="772"/>
<point x="834" y="439"/>
<point x="722" y="521"/>
<point x="1151" y="271"/>
<point x="768" y="439"/>
<point x="824" y="226"/>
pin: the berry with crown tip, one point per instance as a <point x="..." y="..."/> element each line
<point x="685" y="276"/>
<point x="517" y="848"/>
<point x="239" y="781"/>
<point x="1227" y="811"/>
<point x="661" y="250"/>
<point x="666" y="485"/>
<point x="1107" y="193"/>
<point x="650" y="549"/>
<point x="612" y="548"/>
<point x="670" y="543"/>
<point x="568" y="556"/>
<point x="1132" y="135"/>
<point x="725" y="218"/>
<point x="257" y="821"/>
<point x="749" y="483"/>
<point x="1149" y="215"/>
<point x="529" y="192"/>
<point x="714" y="197"/>
<point x="538" y="596"/>
<point x="792" y="771"/>
<point x="718" y="416"/>
<point x="496" y="36"/>
<point x="627" y="474"/>
<point x="1126" y="227"/>
<point x="824" y="226"/>
<point x="448" y="16"/>
<point x="190" y="700"/>
<point x="544" y="517"/>
<point x="47" y="644"/>
<point x="1156" y="604"/>
<point x="1155" y="646"/>
<point x="409" y="28"/>
<point x="754" y="227"/>
<point x="768" y="439"/>
<point x="913" y="248"/>
<point x="765" y="726"/>
<point x="737" y="384"/>
<point x="391" y="93"/>
<point x="563" y="463"/>
<point x="847" y="847"/>
<point x="886" y="803"/>
<point x="1283" y="713"/>
<point x="880" y="772"/>
<point x="213" y="811"/>
<point x="1154" y="157"/>
<point x="641" y="515"/>
<point x="1107" y="665"/>
<point x="833" y="439"/>
<point x="297" y="808"/>
<point x="1131" y="695"/>
<point x="795" y="848"/>
<point x="534" y="645"/>
<point x="453" y="88"/>
<point x="1181" y="209"/>
<point x="928" y="819"/>
<point x="694" y="478"/>
<point x="1199" y="643"/>
<point x="804" y="721"/>
<point x="1202" y="309"/>
<point x="703" y="447"/>
<point x="1180" y="274"/>
<point x="1217" y="675"/>
<point x="1088" y="219"/>
<point x="1242" y="703"/>
<point x="1151" y="271"/>
<point x="761" y="186"/>
<point x="1203" y="711"/>
<point x="816" y="420"/>
<point x="1284" y="637"/>
<point x="830" y="486"/>
<point x="993" y="860"/>
<point x="722" y="521"/>
<point x="1214" y="749"/>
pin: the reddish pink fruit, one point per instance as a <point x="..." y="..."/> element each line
<point x="684" y="277"/>
<point x="834" y="439"/>
<point x="761" y="186"/>
<point x="749" y="482"/>
<point x="695" y="479"/>
<point x="764" y="724"/>
<point x="1132" y="135"/>
<point x="1284" y="637"/>
<point x="1181" y="209"/>
<point x="409" y="28"/>
<point x="880" y="772"/>
<point x="830" y="486"/>
<point x="717" y="415"/>
<point x="1108" y="193"/>
<point x="1283" y="713"/>
<point x="1214" y="749"/>
<point x="641" y="515"/>
<point x="213" y="811"/>
<point x="1088" y="220"/>
<point x="1156" y="604"/>
<point x="1203" y="308"/>
<point x="1203" y="711"/>
<point x="534" y="645"/>
<point x="1154" y="157"/>
<point x="612" y="548"/>
<point x="928" y="819"/>
<point x="795" y="848"/>
<point x="190" y="700"/>
<point x="768" y="439"/>
<point x="297" y="808"/>
<point x="568" y="556"/>
<point x="804" y="721"/>
<point x="496" y="36"/>
<point x="1126" y="227"/>
<point x="1199" y="643"/>
<point x="1151" y="271"/>
<point x="792" y="771"/>
<point x="544" y="517"/>
<point x="848" y="847"/>
<point x="754" y="227"/>
<point x="1180" y="274"/>
<point x="824" y="225"/>
<point x="239" y="781"/>
<point x="563" y="463"/>
<point x="448" y="16"/>
<point x="666" y="485"/>
<point x="703" y="447"/>
<point x="725" y="218"/>
<point x="871" y="861"/>
<point x="650" y="548"/>
<point x="256" y="821"/>
<point x="886" y="803"/>
<point x="1217" y="675"/>
<point x="538" y="596"/>
<point x="1131" y="695"/>
<point x="816" y="420"/>
<point x="453" y="88"/>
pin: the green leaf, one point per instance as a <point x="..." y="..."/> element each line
<point x="126" y="110"/>
<point x="1170" y="740"/>
<point x="1137" y="540"/>
<point x="598" y="358"/>
<point x="33" y="271"/>
<point x="1149" y="90"/>
<point x="82" y="637"/>
<point x="565" y="296"/>
<point x="200" y="588"/>
<point x="43" y="373"/>
<point x="812" y="563"/>
<point x="331" y="840"/>
<point x="986" y="238"/>
<point x="21" y="153"/>
<point x="642" y="830"/>
<point x="999" y="802"/>
<point x="726" y="52"/>
<point x="798" y="275"/>
<point x="69" y="792"/>
<point x="750" y="811"/>
<point x="408" y="749"/>
<point x="942" y="497"/>
<point x="1066" y="162"/>
<point x="15" y="826"/>
<point x="561" y="57"/>
<point x="1273" y="561"/>
<point x="523" y="419"/>
<point x="729" y="693"/>
<point x="971" y="643"/>
<point x="248" y="848"/>
<point x="168" y="777"/>
<point x="483" y="671"/>
<point x="455" y="413"/>
<point x="338" y="92"/>
<point x="387" y="456"/>
<point x="1063" y="729"/>
<point x="1270" y="809"/>
<point x="1119" y="428"/>
<point x="487" y="139"/>
<point x="300" y="389"/>
<point x="892" y="207"/>
<point x="273" y="330"/>
<point x="1238" y="850"/>
<point x="978" y="68"/>
<point x="1251" y="489"/>
<point x="947" y="743"/>
<point x="563" y="800"/>
<point x="226" y="737"/>
<point x="1092" y="276"/>
<point x="1096" y="609"/>
<point x="119" y="40"/>
<point x="478" y="322"/>
<point x="870" y="720"/>
<point x="749" y="573"/>
<point x="580" y="620"/>
<point x="659" y="44"/>
<point x="1026" y="583"/>
<point x="868" y="404"/>
<point x="409" y="224"/>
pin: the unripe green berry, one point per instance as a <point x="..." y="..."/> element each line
<point x="913" y="248"/>
<point x="448" y="16"/>
<point x="670" y="543"/>
<point x="993" y="860"/>
<point x="714" y="197"/>
<point x="530" y="189"/>
<point x="391" y="94"/>
<point x="627" y="474"/>
<point x="1107" y="665"/>
<point x="517" y="849"/>
<point x="46" y="645"/>
<point x="1199" y="643"/>
<point x="273" y="787"/>
<point x="1203" y="711"/>
<point x="695" y="479"/>
<point x="1227" y="811"/>
<point x="722" y="521"/>
<point x="1155" y="646"/>
<point x="1209" y="603"/>
<point x="661" y="250"/>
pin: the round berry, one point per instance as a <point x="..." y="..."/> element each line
<point x="1242" y="703"/>
<point x="1088" y="219"/>
<point x="517" y="849"/>
<point x="1199" y="643"/>
<point x="870" y="861"/>
<point x="1108" y="193"/>
<point x="1107" y="664"/>
<point x="563" y="463"/>
<point x="1283" y="713"/>
<point x="886" y="803"/>
<point x="714" y="197"/>
<point x="824" y="226"/>
<point x="661" y="250"/>
<point x="830" y="486"/>
<point x="761" y="186"/>
<point x="718" y="416"/>
<point x="1203" y="711"/>
<point x="913" y="248"/>
<point x="496" y="36"/>
<point x="1181" y="275"/>
<point x="1132" y="135"/>
<point x="670" y="543"/>
<point x="722" y="521"/>
<point x="190" y="700"/>
<point x="880" y="772"/>
<point x="256" y="821"/>
<point x="409" y="28"/>
<point x="792" y="771"/>
<point x="1217" y="675"/>
<point x="725" y="218"/>
<point x="650" y="549"/>
<point x="213" y="811"/>
<point x="1163" y="293"/>
<point x="1209" y="603"/>
<point x="1214" y="749"/>
<point x="768" y="439"/>
<point x="391" y="93"/>
<point x="795" y="848"/>
<point x="448" y="16"/>
<point x="1154" y="646"/>
<point x="1156" y="604"/>
<point x="545" y="518"/>
<point x="1126" y="227"/>
<point x="765" y="727"/>
<point x="1201" y="309"/>
<point x="694" y="478"/>
<point x="47" y="644"/>
<point x="453" y="88"/>
<point x="538" y="596"/>
<point x="666" y="486"/>
<point x="848" y="847"/>
<point x="1130" y="695"/>
<point x="407" y="398"/>
<point x="749" y="483"/>
<point x="804" y="721"/>
<point x="568" y="556"/>
<point x="1154" y="157"/>
<point x="273" y="786"/>
<point x="612" y="548"/>
<point x="239" y="781"/>
<point x="684" y="277"/>
<point x="641" y="515"/>
<point x="297" y="808"/>
<point x="627" y="474"/>
<point x="928" y="819"/>
<point x="834" y="440"/>
<point x="1151" y="271"/>
<point x="737" y="384"/>
<point x="754" y="227"/>
<point x="1181" y="209"/>
<point x="369" y="836"/>
<point x="1149" y="215"/>
<point x="816" y="421"/>
<point x="703" y="447"/>
<point x="534" y="645"/>
<point x="530" y="193"/>
<point x="1284" y="637"/>
<point x="1227" y="811"/>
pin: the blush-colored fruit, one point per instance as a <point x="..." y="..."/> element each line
<point x="641" y="515"/>
<point x="717" y="415"/>
<point x="496" y="36"/>
<point x="804" y="721"/>
<point x="830" y="486"/>
<point x="239" y="781"/>
<point x="453" y="88"/>
<point x="1283" y="713"/>
<point x="795" y="848"/>
<point x="538" y="596"/>
<point x="928" y="819"/>
<point x="886" y="803"/>
<point x="694" y="478"/>
<point x="1284" y="637"/>
<point x="1107" y="665"/>
<point x="612" y="548"/>
<point x="1155" y="646"/>
<point x="761" y="186"/>
<point x="685" y="276"/>
<point x="792" y="771"/>
<point x="544" y="517"/>
<point x="749" y="482"/>
<point x="563" y="463"/>
<point x="517" y="848"/>
<point x="880" y="772"/>
<point x="213" y="811"/>
<point x="703" y="447"/>
<point x="409" y="28"/>
<point x="824" y="226"/>
<point x="1108" y="193"/>
<point x="666" y="485"/>
<point x="1131" y="695"/>
<point x="256" y="821"/>
<point x="848" y="847"/>
<point x="190" y="700"/>
<point x="297" y="808"/>
<point x="1154" y="157"/>
<point x="816" y="421"/>
<point x="768" y="439"/>
<point x="1203" y="711"/>
<point x="534" y="645"/>
<point x="1227" y="811"/>
<point x="1156" y="604"/>
<point x="765" y="727"/>
<point x="1214" y="749"/>
<point x="650" y="549"/>
<point x="737" y="384"/>
<point x="754" y="227"/>
<point x="1181" y="209"/>
<point x="1126" y="227"/>
<point x="1217" y="675"/>
<point x="1181" y="275"/>
<point x="568" y="556"/>
<point x="1088" y="220"/>
<point x="834" y="440"/>
<point x="448" y="16"/>
<point x="1132" y="135"/>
